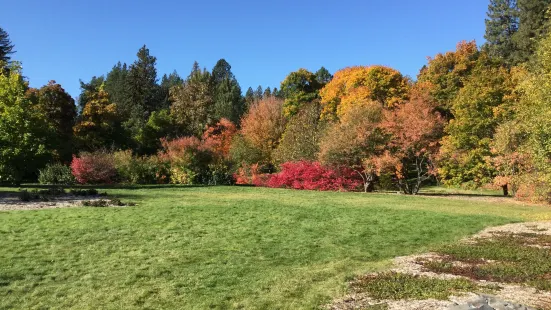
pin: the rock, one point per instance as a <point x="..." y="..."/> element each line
<point x="485" y="302"/>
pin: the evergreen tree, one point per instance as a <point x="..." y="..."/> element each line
<point x="193" y="104"/>
<point x="267" y="92"/>
<point x="258" y="93"/>
<point x="142" y="93"/>
<point x="167" y="83"/>
<point x="501" y="25"/>
<point x="6" y="47"/>
<point x="533" y="24"/>
<point x="115" y="84"/>
<point x="249" y="97"/>
<point x="88" y="88"/>
<point x="228" y="102"/>
<point x="323" y="76"/>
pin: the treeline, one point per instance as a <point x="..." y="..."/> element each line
<point x="474" y="117"/>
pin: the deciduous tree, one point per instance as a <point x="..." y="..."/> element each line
<point x="298" y="88"/>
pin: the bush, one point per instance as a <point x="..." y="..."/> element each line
<point x="141" y="170"/>
<point x="313" y="176"/>
<point x="56" y="174"/>
<point x="94" y="168"/>
<point x="189" y="160"/>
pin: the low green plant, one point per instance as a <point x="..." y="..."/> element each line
<point x="509" y="258"/>
<point x="56" y="174"/>
<point x="395" y="286"/>
<point x="87" y="192"/>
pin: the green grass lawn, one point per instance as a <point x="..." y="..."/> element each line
<point x="223" y="247"/>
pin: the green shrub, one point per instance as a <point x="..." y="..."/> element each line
<point x="141" y="170"/>
<point x="87" y="192"/>
<point x="56" y="174"/>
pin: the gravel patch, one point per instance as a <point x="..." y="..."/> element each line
<point x="11" y="202"/>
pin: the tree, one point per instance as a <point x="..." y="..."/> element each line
<point x="533" y="26"/>
<point x="501" y="25"/>
<point x="323" y="76"/>
<point x="88" y="88"/>
<point x="522" y="143"/>
<point x="302" y="135"/>
<point x="98" y="124"/>
<point x="298" y="88"/>
<point x="361" y="85"/>
<point x="193" y="103"/>
<point x="249" y="98"/>
<point x="415" y="130"/>
<point x="448" y="72"/>
<point x="267" y="92"/>
<point x="24" y="131"/>
<point x="116" y="84"/>
<point x="480" y="106"/>
<point x="354" y="139"/>
<point x="258" y="93"/>
<point x="159" y="125"/>
<point x="59" y="109"/>
<point x="6" y="48"/>
<point x="263" y="125"/>
<point x="228" y="102"/>
<point x="143" y="95"/>
<point x="218" y="138"/>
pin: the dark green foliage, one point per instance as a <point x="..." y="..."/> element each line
<point x="533" y="25"/>
<point x="249" y="97"/>
<point x="40" y="195"/>
<point x="298" y="88"/>
<point x="501" y="25"/>
<point x="267" y="92"/>
<point x="242" y="151"/>
<point x="25" y="195"/>
<point x="323" y="76"/>
<point x="86" y="192"/>
<point x="159" y="125"/>
<point x="86" y="89"/>
<point x="56" y="174"/>
<point x="6" y="47"/>
<point x="167" y="83"/>
<point x="228" y="102"/>
<point x="116" y="84"/>
<point x="258" y="93"/>
<point x="396" y="286"/>
<point x="60" y="111"/>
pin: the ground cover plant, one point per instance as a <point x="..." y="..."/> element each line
<point x="511" y="258"/>
<point x="223" y="247"/>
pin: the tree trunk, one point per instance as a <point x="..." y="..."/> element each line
<point x="505" y="190"/>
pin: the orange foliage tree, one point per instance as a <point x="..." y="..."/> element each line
<point x="218" y="137"/>
<point x="415" y="129"/>
<point x="264" y="124"/>
<point x="358" y="85"/>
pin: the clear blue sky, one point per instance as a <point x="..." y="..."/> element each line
<point x="68" y="40"/>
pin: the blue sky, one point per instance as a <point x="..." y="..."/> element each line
<point x="68" y="40"/>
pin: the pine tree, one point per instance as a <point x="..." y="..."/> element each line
<point x="249" y="97"/>
<point x="533" y="25"/>
<point x="267" y="92"/>
<point x="167" y="83"/>
<point x="501" y="25"/>
<point x="115" y="83"/>
<point x="6" y="47"/>
<point x="323" y="76"/>
<point x="258" y="93"/>
<point x="228" y="102"/>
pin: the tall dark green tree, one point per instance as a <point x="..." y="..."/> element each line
<point x="501" y="25"/>
<point x="249" y="97"/>
<point x="168" y="82"/>
<point x="267" y="92"/>
<point x="533" y="25"/>
<point x="58" y="107"/>
<point x="142" y="93"/>
<point x="6" y="47"/>
<point x="258" y="93"/>
<point x="115" y="84"/>
<point x="228" y="102"/>
<point x="323" y="76"/>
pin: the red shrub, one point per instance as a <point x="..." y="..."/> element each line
<point x="250" y="175"/>
<point x="94" y="168"/>
<point x="313" y="176"/>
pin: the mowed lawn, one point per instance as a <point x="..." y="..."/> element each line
<point x="223" y="247"/>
